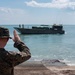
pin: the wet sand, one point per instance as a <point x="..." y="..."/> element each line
<point x="44" y="68"/>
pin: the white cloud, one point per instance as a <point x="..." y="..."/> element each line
<point x="60" y="1"/>
<point x="54" y="4"/>
<point x="9" y="15"/>
<point x="10" y="10"/>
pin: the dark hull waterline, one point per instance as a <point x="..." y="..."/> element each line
<point x="38" y="31"/>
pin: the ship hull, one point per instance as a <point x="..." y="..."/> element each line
<point x="38" y="31"/>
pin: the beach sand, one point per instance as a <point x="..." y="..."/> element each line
<point x="53" y="67"/>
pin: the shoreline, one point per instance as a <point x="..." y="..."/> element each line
<point x="39" y="68"/>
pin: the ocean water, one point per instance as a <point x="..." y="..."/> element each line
<point x="48" y="46"/>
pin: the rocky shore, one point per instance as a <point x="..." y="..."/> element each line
<point x="48" y="67"/>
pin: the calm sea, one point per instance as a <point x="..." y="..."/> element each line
<point x="48" y="46"/>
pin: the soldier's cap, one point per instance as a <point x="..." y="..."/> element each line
<point x="4" y="33"/>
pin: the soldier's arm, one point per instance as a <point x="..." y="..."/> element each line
<point x="15" y="58"/>
<point x="23" y="54"/>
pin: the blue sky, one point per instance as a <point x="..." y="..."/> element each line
<point x="37" y="11"/>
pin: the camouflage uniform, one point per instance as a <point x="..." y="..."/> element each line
<point x="9" y="59"/>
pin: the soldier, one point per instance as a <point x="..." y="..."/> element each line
<point x="9" y="59"/>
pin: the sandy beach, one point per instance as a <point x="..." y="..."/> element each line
<point x="53" y="67"/>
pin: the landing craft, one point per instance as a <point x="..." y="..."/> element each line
<point x="42" y="29"/>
